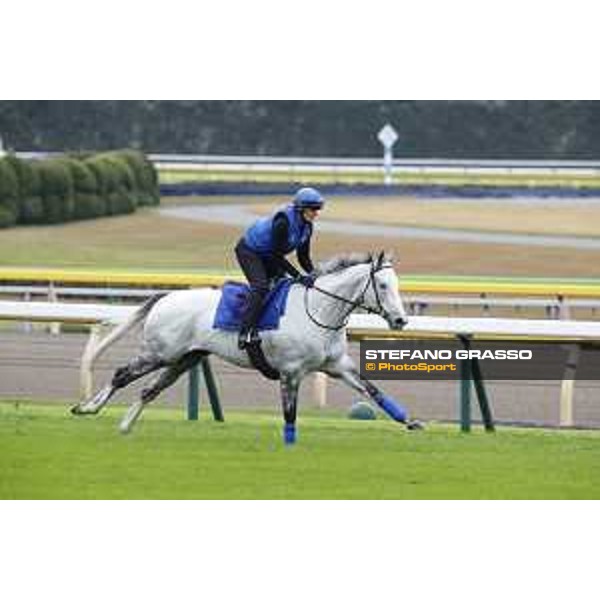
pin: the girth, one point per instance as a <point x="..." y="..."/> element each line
<point x="259" y="361"/>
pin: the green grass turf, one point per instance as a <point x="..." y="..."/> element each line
<point x="46" y="453"/>
<point x="148" y="241"/>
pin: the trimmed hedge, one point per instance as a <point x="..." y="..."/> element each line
<point x="88" y="203"/>
<point x="9" y="194"/>
<point x="121" y="184"/>
<point x="145" y="175"/>
<point x="31" y="207"/>
<point x="110" y="185"/>
<point x="56" y="190"/>
<point x="75" y="187"/>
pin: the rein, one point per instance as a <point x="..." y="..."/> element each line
<point x="359" y="303"/>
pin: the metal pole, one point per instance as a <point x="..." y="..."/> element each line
<point x="465" y="387"/>
<point x="484" y="405"/>
<point x="465" y="395"/>
<point x="193" y="394"/>
<point x="211" y="386"/>
<point x="387" y="166"/>
<point x="563" y="308"/>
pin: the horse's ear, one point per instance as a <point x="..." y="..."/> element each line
<point x="380" y="259"/>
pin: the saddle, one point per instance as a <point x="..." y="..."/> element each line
<point x="230" y="311"/>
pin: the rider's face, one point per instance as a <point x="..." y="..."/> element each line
<point x="310" y="214"/>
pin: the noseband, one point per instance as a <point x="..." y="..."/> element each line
<point x="353" y="304"/>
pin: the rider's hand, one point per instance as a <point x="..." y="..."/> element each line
<point x="307" y="280"/>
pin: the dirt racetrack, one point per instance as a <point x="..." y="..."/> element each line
<point x="46" y="367"/>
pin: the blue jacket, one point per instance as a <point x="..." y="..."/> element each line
<point x="259" y="237"/>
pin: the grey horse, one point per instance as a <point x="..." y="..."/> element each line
<point x="178" y="330"/>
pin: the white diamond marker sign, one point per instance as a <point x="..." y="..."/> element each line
<point x="388" y="137"/>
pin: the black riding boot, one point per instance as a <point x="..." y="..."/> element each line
<point x="248" y="334"/>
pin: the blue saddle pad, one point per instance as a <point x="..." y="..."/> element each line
<point x="233" y="302"/>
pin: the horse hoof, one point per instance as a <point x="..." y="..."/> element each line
<point x="76" y="410"/>
<point x="289" y="435"/>
<point x="415" y="425"/>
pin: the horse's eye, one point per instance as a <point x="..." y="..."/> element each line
<point x="383" y="286"/>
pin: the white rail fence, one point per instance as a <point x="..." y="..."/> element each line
<point x="555" y="307"/>
<point x="360" y="326"/>
<point x="358" y="164"/>
<point x="373" y="165"/>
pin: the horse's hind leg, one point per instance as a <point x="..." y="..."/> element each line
<point x="164" y="380"/>
<point x="123" y="376"/>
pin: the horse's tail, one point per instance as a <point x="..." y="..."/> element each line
<point x="93" y="352"/>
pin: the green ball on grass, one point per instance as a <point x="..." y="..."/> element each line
<point x="362" y="411"/>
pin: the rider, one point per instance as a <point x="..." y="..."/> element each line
<point x="262" y="249"/>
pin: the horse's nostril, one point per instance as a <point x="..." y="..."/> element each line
<point x="400" y="322"/>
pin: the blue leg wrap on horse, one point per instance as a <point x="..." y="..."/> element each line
<point x="289" y="433"/>
<point x="392" y="408"/>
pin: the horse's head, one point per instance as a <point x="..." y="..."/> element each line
<point x="361" y="281"/>
<point x="382" y="295"/>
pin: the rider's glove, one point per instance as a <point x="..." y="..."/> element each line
<point x="307" y="280"/>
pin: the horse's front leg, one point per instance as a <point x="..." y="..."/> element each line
<point x="289" y="385"/>
<point x="345" y="370"/>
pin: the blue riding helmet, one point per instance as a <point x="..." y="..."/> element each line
<point x="308" y="198"/>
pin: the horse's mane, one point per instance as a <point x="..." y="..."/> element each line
<point x="341" y="262"/>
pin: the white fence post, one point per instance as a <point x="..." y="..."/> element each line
<point x="567" y="387"/>
<point x="27" y="325"/>
<point x="86" y="379"/>
<point x="320" y="389"/>
<point x="53" y="297"/>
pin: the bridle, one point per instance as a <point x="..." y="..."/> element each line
<point x="353" y="304"/>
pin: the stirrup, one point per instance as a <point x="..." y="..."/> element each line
<point x="248" y="338"/>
